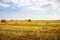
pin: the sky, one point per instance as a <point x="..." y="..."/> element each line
<point x="30" y="9"/>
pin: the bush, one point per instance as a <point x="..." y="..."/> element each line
<point x="29" y="20"/>
<point x="3" y="21"/>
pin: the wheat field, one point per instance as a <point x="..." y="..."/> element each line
<point x="30" y="30"/>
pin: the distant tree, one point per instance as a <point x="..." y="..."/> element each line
<point x="29" y="20"/>
<point x="11" y="20"/>
<point x="58" y="20"/>
<point x="3" y="21"/>
<point x="25" y="20"/>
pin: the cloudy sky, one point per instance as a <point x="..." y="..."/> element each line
<point x="30" y="9"/>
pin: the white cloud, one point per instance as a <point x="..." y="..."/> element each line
<point x="36" y="4"/>
<point x="4" y="5"/>
<point x="13" y="8"/>
<point x="13" y="1"/>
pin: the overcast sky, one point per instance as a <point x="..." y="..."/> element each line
<point x="30" y="9"/>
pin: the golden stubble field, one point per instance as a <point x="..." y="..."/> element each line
<point x="30" y="30"/>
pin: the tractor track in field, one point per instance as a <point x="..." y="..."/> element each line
<point x="22" y="30"/>
<point x="52" y="25"/>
